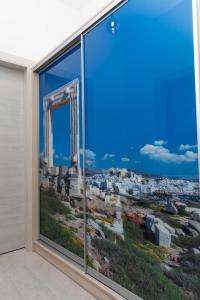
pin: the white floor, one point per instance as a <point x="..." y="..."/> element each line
<point x="27" y="276"/>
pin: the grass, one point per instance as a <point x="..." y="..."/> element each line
<point x="50" y="202"/>
<point x="188" y="274"/>
<point x="53" y="229"/>
<point x="147" y="204"/>
<point x="183" y="212"/>
<point x="187" y="241"/>
<point x="107" y="219"/>
<point x="133" y="232"/>
<point x="151" y="250"/>
<point x="169" y="219"/>
<point x="136" y="266"/>
<point x="110" y="235"/>
<point x="61" y="235"/>
<point x="194" y="204"/>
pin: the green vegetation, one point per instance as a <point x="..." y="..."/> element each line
<point x="188" y="274"/>
<point x="193" y="204"/>
<point x="108" y="233"/>
<point x="53" y="229"/>
<point x="134" y="261"/>
<point x="106" y="219"/>
<point x="152" y="250"/>
<point x="50" y="202"/>
<point x="136" y="265"/>
<point x="169" y="219"/>
<point x="187" y="241"/>
<point x="183" y="212"/>
<point x="147" y="204"/>
<point x="132" y="232"/>
<point x="61" y="235"/>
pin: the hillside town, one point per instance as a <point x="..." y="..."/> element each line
<point x="119" y="192"/>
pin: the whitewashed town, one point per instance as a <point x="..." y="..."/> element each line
<point x="122" y="191"/>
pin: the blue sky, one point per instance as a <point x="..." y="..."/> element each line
<point x="139" y="90"/>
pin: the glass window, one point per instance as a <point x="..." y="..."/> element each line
<point x="141" y="181"/>
<point x="141" y="147"/>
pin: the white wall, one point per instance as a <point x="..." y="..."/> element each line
<point x="32" y="28"/>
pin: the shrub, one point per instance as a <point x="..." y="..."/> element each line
<point x="50" y="202"/>
<point x="187" y="275"/>
<point x="169" y="219"/>
<point x="61" y="235"/>
<point x="134" y="270"/>
<point x="187" y="241"/>
<point x="132" y="231"/>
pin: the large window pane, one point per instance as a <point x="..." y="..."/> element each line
<point x="141" y="148"/>
<point x="61" y="187"/>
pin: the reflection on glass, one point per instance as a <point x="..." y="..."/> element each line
<point x="143" y="208"/>
<point x="61" y="184"/>
<point x="113" y="25"/>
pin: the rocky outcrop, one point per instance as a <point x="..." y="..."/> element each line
<point x="171" y="208"/>
<point x="179" y="232"/>
<point x="195" y="251"/>
<point x="196" y="216"/>
<point x="192" y="232"/>
<point x="195" y="225"/>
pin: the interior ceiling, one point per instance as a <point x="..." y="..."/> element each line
<point x="87" y="8"/>
<point x="79" y="4"/>
<point x="33" y="28"/>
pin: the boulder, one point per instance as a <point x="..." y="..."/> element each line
<point x="180" y="232"/>
<point x="195" y="225"/>
<point x="169" y="228"/>
<point x="195" y="251"/>
<point x="166" y="268"/>
<point x="180" y="204"/>
<point x="162" y="235"/>
<point x="95" y="226"/>
<point x="96" y="265"/>
<point x="150" y="223"/>
<point x="192" y="232"/>
<point x="196" y="216"/>
<point x="171" y="208"/>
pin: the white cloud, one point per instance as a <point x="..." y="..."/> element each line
<point x="90" y="157"/>
<point x="160" y="143"/>
<point x="125" y="159"/>
<point x="61" y="156"/>
<point x="161" y="153"/>
<point x="88" y="153"/>
<point x="187" y="147"/>
<point x="89" y="162"/>
<point x="108" y="156"/>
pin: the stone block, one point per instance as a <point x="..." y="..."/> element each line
<point x="162" y="235"/>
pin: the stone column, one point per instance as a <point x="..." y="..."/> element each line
<point x="74" y="126"/>
<point x="48" y="134"/>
